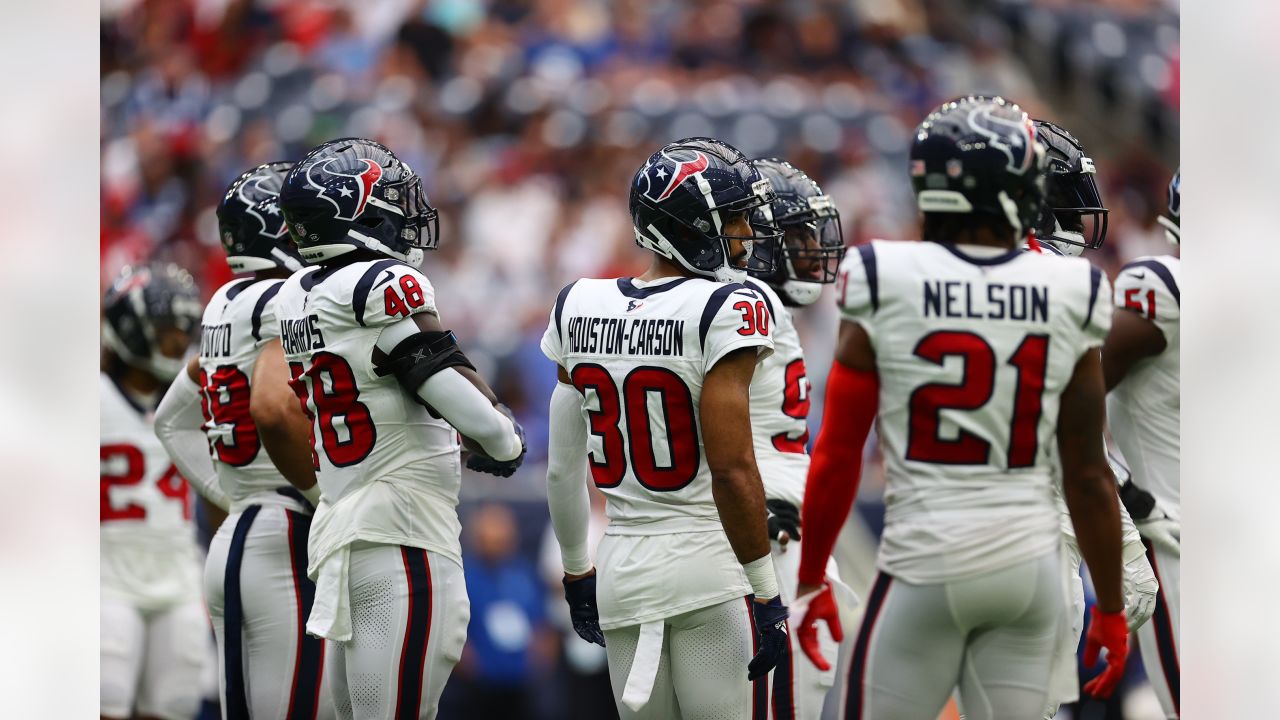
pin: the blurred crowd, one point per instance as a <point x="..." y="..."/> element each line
<point x="526" y="120"/>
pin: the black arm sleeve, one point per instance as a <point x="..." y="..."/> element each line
<point x="420" y="356"/>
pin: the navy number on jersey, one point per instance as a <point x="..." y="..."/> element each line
<point x="974" y="391"/>
<point x="346" y="427"/>
<point x="680" y="466"/>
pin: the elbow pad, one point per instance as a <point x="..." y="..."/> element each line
<point x="420" y="356"/>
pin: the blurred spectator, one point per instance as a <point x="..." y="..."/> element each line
<point x="584" y="665"/>
<point x="508" y="635"/>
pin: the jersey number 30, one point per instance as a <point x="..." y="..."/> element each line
<point x="674" y="402"/>
<point x="927" y="401"/>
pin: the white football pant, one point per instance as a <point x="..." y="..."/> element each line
<point x="701" y="666"/>
<point x="994" y="636"/>
<point x="259" y="598"/>
<point x="152" y="661"/>
<point x="409" y="615"/>
<point x="1158" y="637"/>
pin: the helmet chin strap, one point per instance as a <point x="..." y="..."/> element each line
<point x="801" y="293"/>
<point x="1010" y="211"/>
<point x="1172" y="232"/>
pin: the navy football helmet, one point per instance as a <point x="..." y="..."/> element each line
<point x="1074" y="216"/>
<point x="808" y="254"/>
<point x="149" y="315"/>
<point x="355" y="194"/>
<point x="686" y="194"/>
<point x="979" y="155"/>
<point x="1173" y="221"/>
<point x="252" y="228"/>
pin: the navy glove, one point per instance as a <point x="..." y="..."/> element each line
<point x="771" y="623"/>
<point x="783" y="517"/>
<point x="479" y="462"/>
<point x="581" y="596"/>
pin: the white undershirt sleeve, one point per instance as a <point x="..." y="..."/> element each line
<point x="465" y="408"/>
<point x="567" y="478"/>
<point x="458" y="401"/>
<point x="179" y="426"/>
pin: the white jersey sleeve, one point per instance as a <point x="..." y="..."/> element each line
<point x="390" y="291"/>
<point x="741" y="320"/>
<point x="858" y="288"/>
<point x="1149" y="287"/>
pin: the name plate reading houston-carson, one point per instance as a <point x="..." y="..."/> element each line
<point x="625" y="336"/>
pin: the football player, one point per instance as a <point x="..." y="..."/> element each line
<point x="1141" y="365"/>
<point x="387" y="390"/>
<point x="155" y="645"/>
<point x="255" y="581"/>
<point x="806" y="258"/>
<point x="1074" y="219"/>
<point x="972" y="357"/>
<point x="654" y="375"/>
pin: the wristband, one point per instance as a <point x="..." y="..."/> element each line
<point x="312" y="494"/>
<point x="760" y="574"/>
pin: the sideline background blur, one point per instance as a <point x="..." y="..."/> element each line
<point x="526" y="121"/>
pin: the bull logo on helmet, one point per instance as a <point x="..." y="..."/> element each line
<point x="1015" y="138"/>
<point x="662" y="178"/>
<point x="347" y="192"/>
<point x="267" y="210"/>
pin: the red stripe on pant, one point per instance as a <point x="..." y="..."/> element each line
<point x="417" y="633"/>
<point x="855" y="706"/>
<point x="759" y="686"/>
<point x="1166" y="643"/>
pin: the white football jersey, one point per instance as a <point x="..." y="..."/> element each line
<point x="1145" y="409"/>
<point x="780" y="406"/>
<point x="238" y="321"/>
<point x="974" y="347"/>
<point x="639" y="352"/>
<point x="388" y="471"/>
<point x="148" y="545"/>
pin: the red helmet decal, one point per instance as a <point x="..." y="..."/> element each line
<point x="669" y="176"/>
<point x="347" y="192"/>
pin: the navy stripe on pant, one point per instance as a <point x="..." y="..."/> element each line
<point x="759" y="686"/>
<point x="304" y="699"/>
<point x="854" y="708"/>
<point x="1166" y="644"/>
<point x="233" y="651"/>
<point x="784" y="706"/>
<point x="413" y="654"/>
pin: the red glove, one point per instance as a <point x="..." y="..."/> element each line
<point x="821" y="605"/>
<point x="1110" y="631"/>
